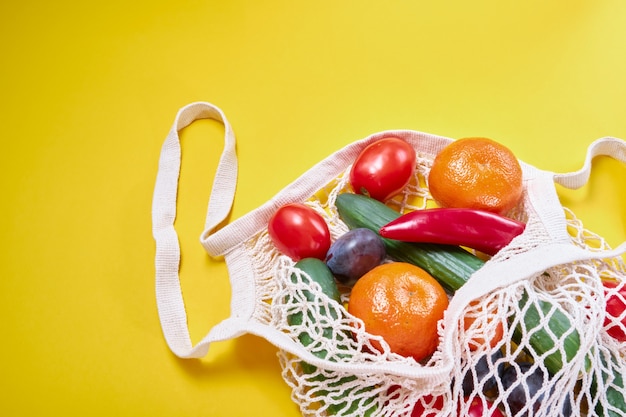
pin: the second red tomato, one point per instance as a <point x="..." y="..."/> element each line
<point x="428" y="406"/>
<point x="477" y="409"/>
<point x="299" y="232"/>
<point x="615" y="306"/>
<point x="383" y="168"/>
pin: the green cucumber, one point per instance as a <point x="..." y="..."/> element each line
<point x="452" y="266"/>
<point x="540" y="339"/>
<point x="321" y="274"/>
<point x="614" y="392"/>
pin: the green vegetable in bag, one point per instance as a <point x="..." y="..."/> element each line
<point x="452" y="266"/>
<point x="334" y="401"/>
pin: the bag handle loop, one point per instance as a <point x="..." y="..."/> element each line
<point x="170" y="303"/>
<point x="607" y="146"/>
<point x="555" y="252"/>
<point x="542" y="194"/>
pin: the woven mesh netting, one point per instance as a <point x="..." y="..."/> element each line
<point x="558" y="354"/>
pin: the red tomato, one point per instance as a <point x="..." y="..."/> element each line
<point x="477" y="409"/>
<point x="383" y="168"/>
<point x="427" y="406"/>
<point x="299" y="232"/>
<point x="615" y="307"/>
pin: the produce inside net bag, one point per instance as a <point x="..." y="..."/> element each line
<point x="553" y="292"/>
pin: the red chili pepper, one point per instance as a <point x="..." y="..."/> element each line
<point x="477" y="229"/>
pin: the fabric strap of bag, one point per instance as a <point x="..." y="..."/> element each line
<point x="219" y="242"/>
<point x="543" y="194"/>
<point x="169" y="296"/>
<point x="607" y="146"/>
<point x="223" y="240"/>
<point x="559" y="249"/>
<point x="170" y="303"/>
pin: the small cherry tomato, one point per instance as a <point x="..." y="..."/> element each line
<point x="615" y="306"/>
<point x="477" y="409"/>
<point x="383" y="168"/>
<point x="299" y="232"/>
<point x="427" y="406"/>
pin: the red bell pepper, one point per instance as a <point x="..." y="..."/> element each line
<point x="477" y="229"/>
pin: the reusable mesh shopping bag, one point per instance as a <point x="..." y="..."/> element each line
<point x="547" y="290"/>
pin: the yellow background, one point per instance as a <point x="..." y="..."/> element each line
<point x="90" y="90"/>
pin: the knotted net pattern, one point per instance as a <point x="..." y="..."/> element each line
<point x="577" y="371"/>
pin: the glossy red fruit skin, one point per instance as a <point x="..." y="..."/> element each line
<point x="615" y="307"/>
<point x="299" y="232"/>
<point x="383" y="168"/>
<point x="478" y="229"/>
<point x="477" y="409"/>
<point x="436" y="404"/>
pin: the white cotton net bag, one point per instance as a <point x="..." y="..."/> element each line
<point x="544" y="295"/>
